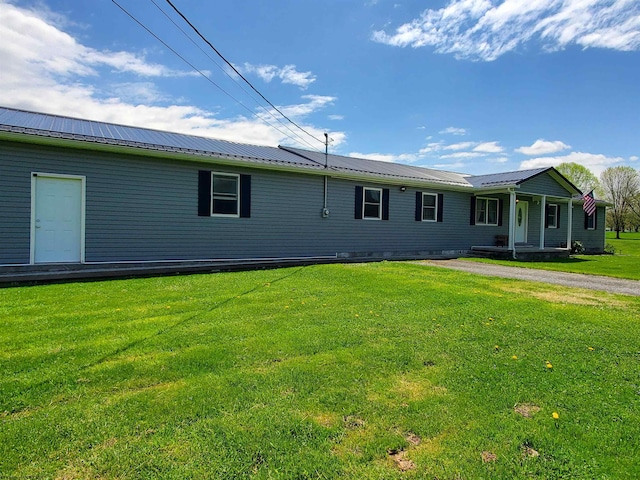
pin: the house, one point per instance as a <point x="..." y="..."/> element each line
<point x="80" y="192"/>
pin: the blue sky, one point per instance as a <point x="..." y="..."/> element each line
<point x="475" y="86"/>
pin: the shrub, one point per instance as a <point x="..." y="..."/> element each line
<point x="609" y="249"/>
<point x="577" y="248"/>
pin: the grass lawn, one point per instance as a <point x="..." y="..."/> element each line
<point x="387" y="370"/>
<point x="624" y="264"/>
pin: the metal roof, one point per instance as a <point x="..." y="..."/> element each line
<point x="385" y="169"/>
<point x="56" y="126"/>
<point x="67" y="128"/>
<point x="503" y="179"/>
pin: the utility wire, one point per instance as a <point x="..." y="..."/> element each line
<point x="237" y="72"/>
<point x="197" y="70"/>
<point x="300" y="138"/>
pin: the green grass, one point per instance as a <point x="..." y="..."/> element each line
<point x="624" y="264"/>
<point x="318" y="372"/>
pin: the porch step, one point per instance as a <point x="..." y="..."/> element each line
<point x="524" y="252"/>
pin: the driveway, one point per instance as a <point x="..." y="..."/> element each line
<point x="577" y="280"/>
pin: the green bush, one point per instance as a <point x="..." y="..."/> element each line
<point x="609" y="249"/>
<point x="577" y="248"/>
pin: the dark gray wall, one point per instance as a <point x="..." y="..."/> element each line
<point x="140" y="208"/>
<point x="593" y="240"/>
<point x="544" y="184"/>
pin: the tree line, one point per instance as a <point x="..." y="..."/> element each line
<point x="620" y="186"/>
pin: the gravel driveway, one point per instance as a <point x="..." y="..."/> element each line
<point x="578" y="280"/>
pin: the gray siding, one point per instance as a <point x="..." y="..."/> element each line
<point x="593" y="240"/>
<point x="140" y="208"/>
<point x="544" y="184"/>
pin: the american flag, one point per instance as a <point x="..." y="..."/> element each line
<point x="589" y="203"/>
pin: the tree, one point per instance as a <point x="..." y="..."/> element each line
<point x="579" y="175"/>
<point x="620" y="186"/>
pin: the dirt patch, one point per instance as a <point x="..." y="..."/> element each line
<point x="488" y="457"/>
<point x="353" y="421"/>
<point x="400" y="460"/>
<point x="527" y="410"/>
<point x="528" y="452"/>
<point x="413" y="439"/>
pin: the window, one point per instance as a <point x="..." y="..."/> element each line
<point x="486" y="211"/>
<point x="372" y="203"/>
<point x="552" y="216"/>
<point x="590" y="221"/>
<point x="429" y="207"/>
<point x="224" y="194"/>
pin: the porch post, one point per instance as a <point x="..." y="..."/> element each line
<point x="543" y="205"/>
<point x="569" y="222"/>
<point x="512" y="221"/>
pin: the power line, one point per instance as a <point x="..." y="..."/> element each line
<point x="231" y="77"/>
<point x="198" y="70"/>
<point x="237" y="72"/>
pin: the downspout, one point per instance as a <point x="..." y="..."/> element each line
<point x="512" y="222"/>
<point x="543" y="209"/>
<point x="569" y="223"/>
<point x="325" y="209"/>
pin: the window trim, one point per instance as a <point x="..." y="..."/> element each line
<point x="486" y="219"/>
<point x="555" y="215"/>
<point x="365" y="203"/>
<point x="435" y="208"/>
<point x="591" y="221"/>
<point x="237" y="195"/>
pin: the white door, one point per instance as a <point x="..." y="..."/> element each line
<point x="57" y="219"/>
<point x="522" y="221"/>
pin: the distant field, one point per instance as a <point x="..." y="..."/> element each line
<point x="624" y="264"/>
<point x="367" y="371"/>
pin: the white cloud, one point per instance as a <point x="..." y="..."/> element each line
<point x="449" y="166"/>
<point x="594" y="162"/>
<point x="28" y="37"/>
<point x="47" y="70"/>
<point x="498" y="160"/>
<point x="543" y="147"/>
<point x="287" y="74"/>
<point x="386" y="157"/>
<point x="432" y="147"/>
<point x="336" y="117"/>
<point x="464" y="155"/>
<point x="634" y="158"/>
<point x="453" y="131"/>
<point x="486" y="29"/>
<point x="489" y="147"/>
<point x="315" y="103"/>
<point x="460" y="146"/>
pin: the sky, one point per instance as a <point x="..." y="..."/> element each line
<point x="472" y="86"/>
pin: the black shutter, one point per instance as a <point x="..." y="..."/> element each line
<point x="440" y="206"/>
<point x="204" y="193"/>
<point x="385" y="204"/>
<point x="595" y="219"/>
<point x="500" y="209"/>
<point x="418" y="206"/>
<point x="358" y="213"/>
<point x="546" y="216"/>
<point x="558" y="215"/>
<point x="472" y="218"/>
<point x="245" y="196"/>
<point x="586" y="221"/>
